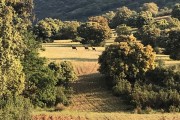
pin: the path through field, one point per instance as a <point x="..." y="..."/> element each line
<point x="91" y="95"/>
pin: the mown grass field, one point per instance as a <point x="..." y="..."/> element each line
<point x="91" y="99"/>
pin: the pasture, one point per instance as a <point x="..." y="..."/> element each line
<point x="91" y="99"/>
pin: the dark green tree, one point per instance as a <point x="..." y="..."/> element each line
<point x="144" y="18"/>
<point x="176" y="11"/>
<point x="126" y="61"/>
<point x="149" y="35"/>
<point x="47" y="29"/>
<point x="121" y="17"/>
<point x="94" y="33"/>
<point x="124" y="30"/>
<point x="151" y="7"/>
<point x="173" y="44"/>
<point x="69" y="30"/>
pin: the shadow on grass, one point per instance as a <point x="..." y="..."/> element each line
<point x="91" y="90"/>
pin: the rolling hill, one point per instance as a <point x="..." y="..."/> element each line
<point x="81" y="9"/>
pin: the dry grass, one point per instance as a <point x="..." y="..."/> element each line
<point x="76" y="115"/>
<point x="67" y="53"/>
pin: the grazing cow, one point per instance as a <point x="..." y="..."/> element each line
<point x="86" y="47"/>
<point x="74" y="47"/>
<point x="93" y="48"/>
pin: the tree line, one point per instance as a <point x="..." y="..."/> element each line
<point x="26" y="81"/>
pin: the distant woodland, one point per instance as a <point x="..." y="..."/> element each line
<point x="82" y="9"/>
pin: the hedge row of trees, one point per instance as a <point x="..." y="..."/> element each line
<point x="94" y="31"/>
<point x="25" y="79"/>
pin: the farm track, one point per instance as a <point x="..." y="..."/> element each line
<point x="91" y="95"/>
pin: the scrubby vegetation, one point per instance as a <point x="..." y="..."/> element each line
<point x="28" y="81"/>
<point x="130" y="71"/>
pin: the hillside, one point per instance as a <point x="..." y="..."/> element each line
<point x="81" y="9"/>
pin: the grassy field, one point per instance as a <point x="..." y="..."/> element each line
<point x="91" y="99"/>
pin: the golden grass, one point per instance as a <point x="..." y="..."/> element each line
<point x="76" y="115"/>
<point x="67" y="53"/>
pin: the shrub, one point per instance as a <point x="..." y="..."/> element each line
<point x="123" y="87"/>
<point x="64" y="73"/>
<point x="176" y="11"/>
<point x="127" y="60"/>
<point x="47" y="29"/>
<point x="41" y="88"/>
<point x="160" y="90"/>
<point x="69" y="30"/>
<point x="18" y="108"/>
<point x="62" y="96"/>
<point x="173" y="44"/>
<point x="94" y="32"/>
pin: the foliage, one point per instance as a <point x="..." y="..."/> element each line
<point x="64" y="73"/>
<point x="160" y="90"/>
<point x="176" y="11"/>
<point x="121" y="17"/>
<point x="125" y="38"/>
<point x="162" y="24"/>
<point x="62" y="95"/>
<point x="94" y="33"/>
<point x="109" y="15"/>
<point x="149" y="35"/>
<point x="144" y="18"/>
<point x="173" y="44"/>
<point x="40" y="80"/>
<point x="69" y="30"/>
<point x="123" y="30"/>
<point x="11" y="48"/>
<point x="126" y="60"/>
<point x="40" y="88"/>
<point x="18" y="108"/>
<point x="122" y="87"/>
<point x="99" y="19"/>
<point x="47" y="29"/>
<point x="151" y="7"/>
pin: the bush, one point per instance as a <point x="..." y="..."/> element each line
<point x="18" y="108"/>
<point x="64" y="73"/>
<point x="41" y="88"/>
<point x="160" y="90"/>
<point x="62" y="96"/>
<point x="173" y="44"/>
<point x="94" y="33"/>
<point x="69" y="30"/>
<point x="123" y="87"/>
<point x="47" y="29"/>
<point x="149" y="35"/>
<point x="127" y="60"/>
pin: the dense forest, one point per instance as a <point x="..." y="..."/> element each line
<point x="82" y="9"/>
